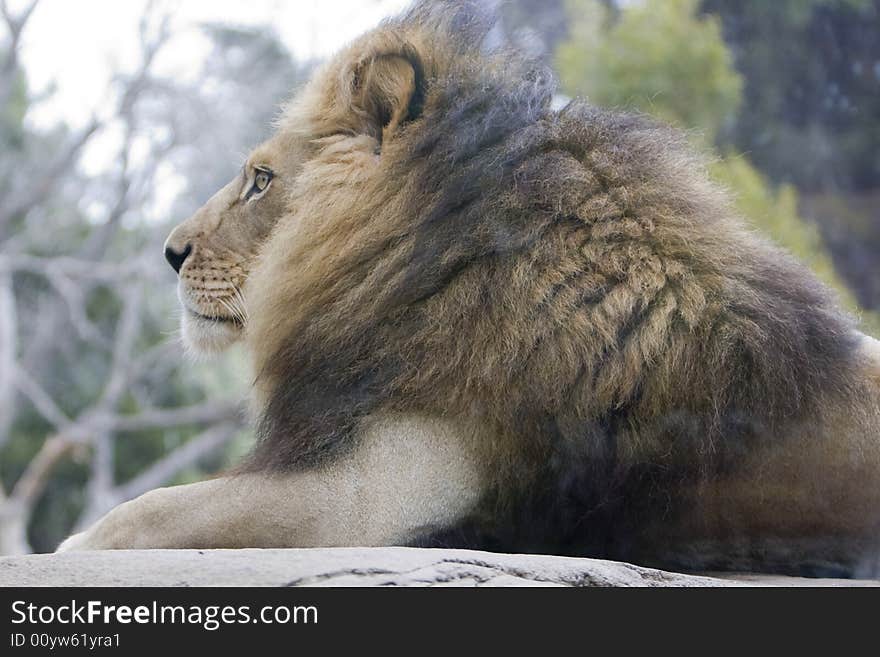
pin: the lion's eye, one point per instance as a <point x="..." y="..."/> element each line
<point x="262" y="178"/>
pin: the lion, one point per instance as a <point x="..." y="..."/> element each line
<point x="476" y="320"/>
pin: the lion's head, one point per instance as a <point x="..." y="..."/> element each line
<point x="333" y="139"/>
<point x="213" y="251"/>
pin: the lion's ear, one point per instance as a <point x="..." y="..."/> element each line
<point x="387" y="92"/>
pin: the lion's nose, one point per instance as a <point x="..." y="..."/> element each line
<point x="175" y="259"/>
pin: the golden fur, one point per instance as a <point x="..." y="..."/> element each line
<point x="654" y="381"/>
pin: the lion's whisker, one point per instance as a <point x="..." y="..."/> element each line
<point x="236" y="302"/>
<point x="230" y="308"/>
<point x="242" y="303"/>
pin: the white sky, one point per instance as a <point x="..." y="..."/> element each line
<point x="74" y="44"/>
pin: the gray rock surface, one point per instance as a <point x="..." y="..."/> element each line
<point x="395" y="566"/>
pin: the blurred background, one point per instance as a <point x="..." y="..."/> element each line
<point x="119" y="119"/>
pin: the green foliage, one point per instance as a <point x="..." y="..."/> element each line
<point x="657" y="56"/>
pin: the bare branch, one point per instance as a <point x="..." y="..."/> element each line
<point x="8" y="347"/>
<point x="39" y="191"/>
<point x="33" y="480"/>
<point x="155" y="357"/>
<point x="127" y="330"/>
<point x="22" y="204"/>
<point x="101" y="481"/>
<point x="73" y="297"/>
<point x="98" y="272"/>
<point x="94" y="428"/>
<point x="15" y="25"/>
<point x="187" y="455"/>
<point x="204" y="413"/>
<point x="41" y="400"/>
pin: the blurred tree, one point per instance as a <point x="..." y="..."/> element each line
<point x="657" y="55"/>
<point x="811" y="101"/>
<point x="810" y="115"/>
<point x="96" y="403"/>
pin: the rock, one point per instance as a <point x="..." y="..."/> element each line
<point x="394" y="566"/>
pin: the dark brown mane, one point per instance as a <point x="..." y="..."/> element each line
<point x="571" y="277"/>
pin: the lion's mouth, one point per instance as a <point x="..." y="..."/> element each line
<point x="219" y="319"/>
<point x="208" y="333"/>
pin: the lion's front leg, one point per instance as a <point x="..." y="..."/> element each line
<point x="407" y="476"/>
<point x="129" y="525"/>
<point x="206" y="514"/>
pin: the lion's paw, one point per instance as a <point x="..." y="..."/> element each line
<point x="74" y="543"/>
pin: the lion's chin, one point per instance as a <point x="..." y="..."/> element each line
<point x="207" y="337"/>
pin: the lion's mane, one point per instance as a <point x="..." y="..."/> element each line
<point x="571" y="278"/>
